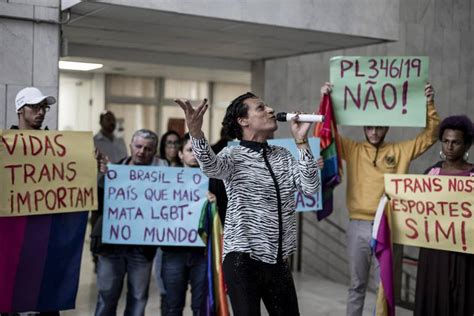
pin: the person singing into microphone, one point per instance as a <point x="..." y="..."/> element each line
<point x="260" y="181"/>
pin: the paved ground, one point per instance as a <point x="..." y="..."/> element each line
<point x="316" y="296"/>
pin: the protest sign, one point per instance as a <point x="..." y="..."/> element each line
<point x="304" y="203"/>
<point x="149" y="205"/>
<point x="44" y="172"/>
<point x="379" y="91"/>
<point x="432" y="211"/>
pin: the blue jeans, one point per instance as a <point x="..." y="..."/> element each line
<point x="111" y="270"/>
<point x="179" y="269"/>
<point x="158" y="264"/>
<point x="159" y="280"/>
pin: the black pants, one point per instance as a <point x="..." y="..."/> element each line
<point x="249" y="281"/>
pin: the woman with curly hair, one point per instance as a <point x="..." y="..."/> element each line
<point x="445" y="280"/>
<point x="261" y="181"/>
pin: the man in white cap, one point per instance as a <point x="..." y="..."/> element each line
<point x="65" y="231"/>
<point x="31" y="106"/>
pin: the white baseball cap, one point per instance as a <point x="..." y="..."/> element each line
<point x="31" y="95"/>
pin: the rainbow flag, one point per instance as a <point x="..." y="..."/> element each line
<point x="331" y="152"/>
<point x="210" y="230"/>
<point x="40" y="258"/>
<point x="382" y="245"/>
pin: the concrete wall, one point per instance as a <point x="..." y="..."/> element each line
<point x="29" y="41"/>
<point x="442" y="30"/>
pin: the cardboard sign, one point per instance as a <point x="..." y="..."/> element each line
<point x="44" y="172"/>
<point x="379" y="91"/>
<point x="148" y="205"/>
<point x="304" y="203"/>
<point x="432" y="211"/>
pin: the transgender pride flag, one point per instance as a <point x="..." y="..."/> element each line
<point x="40" y="258"/>
<point x="382" y="246"/>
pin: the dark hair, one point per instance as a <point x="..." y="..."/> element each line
<point x="104" y="114"/>
<point x="224" y="134"/>
<point x="163" y="142"/>
<point x="236" y="109"/>
<point x="184" y="140"/>
<point x="459" y="123"/>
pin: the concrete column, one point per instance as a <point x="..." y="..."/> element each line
<point x="29" y="36"/>
<point x="258" y="78"/>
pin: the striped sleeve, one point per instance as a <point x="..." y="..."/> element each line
<point x="306" y="172"/>
<point x="214" y="166"/>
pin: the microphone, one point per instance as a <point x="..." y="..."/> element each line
<point x="284" y="117"/>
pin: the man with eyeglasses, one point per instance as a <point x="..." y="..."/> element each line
<point x="63" y="231"/>
<point x="32" y="106"/>
<point x="366" y="164"/>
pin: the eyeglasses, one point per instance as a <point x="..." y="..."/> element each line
<point x="38" y="107"/>
<point x="170" y="143"/>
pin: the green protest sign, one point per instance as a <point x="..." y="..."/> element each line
<point x="379" y="91"/>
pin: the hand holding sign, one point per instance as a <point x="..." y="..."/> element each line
<point x="102" y="161"/>
<point x="429" y="92"/>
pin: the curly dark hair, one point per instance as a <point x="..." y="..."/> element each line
<point x="459" y="123"/>
<point x="236" y="109"/>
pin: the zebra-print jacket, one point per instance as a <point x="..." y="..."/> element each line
<point x="261" y="181"/>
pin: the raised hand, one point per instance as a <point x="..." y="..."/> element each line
<point x="194" y="116"/>
<point x="429" y="92"/>
<point x="326" y="88"/>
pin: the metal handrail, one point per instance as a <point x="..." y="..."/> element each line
<point x="326" y="261"/>
<point x="340" y="229"/>
<point x="333" y="224"/>
<point x="335" y="253"/>
<point x="408" y="294"/>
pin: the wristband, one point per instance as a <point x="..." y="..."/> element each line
<point x="301" y="141"/>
